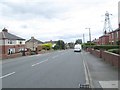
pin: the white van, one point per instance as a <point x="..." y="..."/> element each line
<point x="77" y="48"/>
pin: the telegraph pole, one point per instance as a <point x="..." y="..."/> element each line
<point x="89" y="34"/>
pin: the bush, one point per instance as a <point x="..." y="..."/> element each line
<point x="47" y="46"/>
<point x="106" y="47"/>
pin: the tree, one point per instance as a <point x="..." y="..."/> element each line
<point x="59" y="45"/>
<point x="78" y="41"/>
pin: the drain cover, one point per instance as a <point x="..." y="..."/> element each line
<point x="84" y="85"/>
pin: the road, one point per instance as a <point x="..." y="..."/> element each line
<point x="59" y="69"/>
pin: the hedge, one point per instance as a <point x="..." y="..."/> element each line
<point x="117" y="51"/>
<point x="106" y="47"/>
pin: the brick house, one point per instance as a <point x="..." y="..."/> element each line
<point x="114" y="37"/>
<point x="32" y="44"/>
<point x="10" y="44"/>
<point x="104" y="40"/>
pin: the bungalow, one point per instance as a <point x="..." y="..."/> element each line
<point x="10" y="44"/>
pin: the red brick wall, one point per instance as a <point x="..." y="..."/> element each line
<point x="96" y="53"/>
<point x="6" y="56"/>
<point x="5" y="48"/>
<point x="113" y="59"/>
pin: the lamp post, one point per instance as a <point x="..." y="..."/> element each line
<point x="89" y="35"/>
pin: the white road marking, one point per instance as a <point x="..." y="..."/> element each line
<point x="87" y="74"/>
<point x="39" y="62"/>
<point x="7" y="75"/>
<point x="109" y="84"/>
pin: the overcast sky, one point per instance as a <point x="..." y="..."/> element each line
<point x="57" y="19"/>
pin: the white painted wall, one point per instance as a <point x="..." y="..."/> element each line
<point x="14" y="42"/>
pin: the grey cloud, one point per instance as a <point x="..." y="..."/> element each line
<point x="32" y="10"/>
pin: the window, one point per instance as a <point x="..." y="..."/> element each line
<point x="11" y="50"/>
<point x="112" y="35"/>
<point x="10" y="41"/>
<point x="117" y="34"/>
<point x="20" y="42"/>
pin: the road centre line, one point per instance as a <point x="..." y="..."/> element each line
<point x="7" y="75"/>
<point x="39" y="62"/>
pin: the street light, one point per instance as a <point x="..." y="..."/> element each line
<point x="89" y="35"/>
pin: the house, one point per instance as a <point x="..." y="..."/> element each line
<point x="104" y="40"/>
<point x="10" y="44"/>
<point x="114" y="37"/>
<point x="33" y="43"/>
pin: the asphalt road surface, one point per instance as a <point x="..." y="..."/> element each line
<point x="59" y="69"/>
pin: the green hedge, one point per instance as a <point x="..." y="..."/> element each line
<point x="106" y="47"/>
<point x="88" y="45"/>
<point x="116" y="51"/>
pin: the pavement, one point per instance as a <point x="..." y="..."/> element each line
<point x="103" y="74"/>
<point x="59" y="69"/>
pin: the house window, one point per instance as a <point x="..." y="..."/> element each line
<point x="11" y="50"/>
<point x="10" y="41"/>
<point x="112" y="35"/>
<point x="20" y="42"/>
<point x="117" y="34"/>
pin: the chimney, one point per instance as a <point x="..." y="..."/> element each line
<point x="5" y="30"/>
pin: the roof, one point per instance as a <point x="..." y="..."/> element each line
<point x="51" y="42"/>
<point x="5" y="35"/>
<point x="106" y="35"/>
<point x="34" y="40"/>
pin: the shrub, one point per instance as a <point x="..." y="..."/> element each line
<point x="106" y="47"/>
<point x="47" y="46"/>
<point x="116" y="51"/>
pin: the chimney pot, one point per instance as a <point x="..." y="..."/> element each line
<point x="5" y="30"/>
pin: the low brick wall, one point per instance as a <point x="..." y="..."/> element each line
<point x="5" y="56"/>
<point x="96" y="53"/>
<point x="113" y="59"/>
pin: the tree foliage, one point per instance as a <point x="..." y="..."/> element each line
<point x="59" y="45"/>
<point x="47" y="46"/>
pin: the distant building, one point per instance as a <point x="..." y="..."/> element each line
<point x="33" y="43"/>
<point x="96" y="41"/>
<point x="10" y="44"/>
